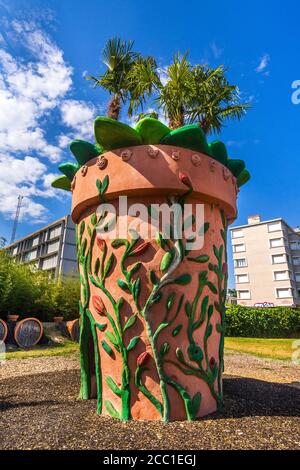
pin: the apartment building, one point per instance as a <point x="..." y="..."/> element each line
<point x="52" y="248"/>
<point x="266" y="258"/>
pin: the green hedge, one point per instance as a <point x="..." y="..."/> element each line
<point x="277" y="322"/>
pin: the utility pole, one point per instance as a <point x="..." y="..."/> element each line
<point x="13" y="235"/>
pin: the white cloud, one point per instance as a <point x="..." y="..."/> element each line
<point x="241" y="143"/>
<point x="28" y="178"/>
<point x="64" y="140"/>
<point x="79" y="117"/>
<point x="264" y="61"/>
<point x="217" y="51"/>
<point x="28" y="91"/>
<point x="236" y="143"/>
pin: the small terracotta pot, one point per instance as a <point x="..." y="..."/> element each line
<point x="13" y="317"/>
<point x="152" y="313"/>
<point x="73" y="329"/>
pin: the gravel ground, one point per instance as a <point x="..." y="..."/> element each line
<point x="39" y="410"/>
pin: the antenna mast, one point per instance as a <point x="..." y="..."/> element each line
<point x="13" y="235"/>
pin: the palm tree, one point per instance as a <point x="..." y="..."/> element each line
<point x="213" y="100"/>
<point x="186" y="94"/>
<point x="171" y="87"/>
<point x="118" y="57"/>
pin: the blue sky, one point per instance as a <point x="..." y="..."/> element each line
<point x="46" y="47"/>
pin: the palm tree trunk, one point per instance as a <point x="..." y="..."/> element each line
<point x="178" y="120"/>
<point x="204" y="126"/>
<point x="114" y="107"/>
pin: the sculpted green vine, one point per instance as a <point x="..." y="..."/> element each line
<point x="195" y="360"/>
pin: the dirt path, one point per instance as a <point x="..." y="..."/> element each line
<point x="39" y="410"/>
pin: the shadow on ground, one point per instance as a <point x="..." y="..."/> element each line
<point x="41" y="411"/>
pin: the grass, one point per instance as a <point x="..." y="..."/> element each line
<point x="262" y="347"/>
<point x="68" y="347"/>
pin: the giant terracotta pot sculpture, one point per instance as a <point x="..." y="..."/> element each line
<point x="152" y="311"/>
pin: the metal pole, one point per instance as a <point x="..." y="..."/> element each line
<point x="13" y="235"/>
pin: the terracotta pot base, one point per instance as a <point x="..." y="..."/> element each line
<point x="152" y="333"/>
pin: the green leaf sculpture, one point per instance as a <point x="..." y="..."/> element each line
<point x="243" y="177"/>
<point x="190" y="136"/>
<point x="218" y="151"/>
<point x="62" y="182"/>
<point x="111" y="134"/>
<point x="236" y="166"/>
<point x="84" y="151"/>
<point x="69" y="169"/>
<point x="151" y="130"/>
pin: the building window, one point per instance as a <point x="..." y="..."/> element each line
<point x="295" y="245"/>
<point x="237" y="233"/>
<point x="30" y="255"/>
<point x="275" y="242"/>
<point x="15" y="250"/>
<point x="244" y="294"/>
<point x="297" y="277"/>
<point x="35" y="241"/>
<point x="241" y="278"/>
<point x="296" y="260"/>
<point x="274" y="227"/>
<point x="281" y="275"/>
<point x="54" y="232"/>
<point x="276" y="259"/>
<point x="284" y="293"/>
<point x="240" y="263"/>
<point x="239" y="248"/>
<point x="49" y="263"/>
<point x="52" y="247"/>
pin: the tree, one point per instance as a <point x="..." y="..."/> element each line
<point x="27" y="291"/>
<point x="232" y="292"/>
<point x="118" y="57"/>
<point x="213" y="100"/>
<point x="186" y="94"/>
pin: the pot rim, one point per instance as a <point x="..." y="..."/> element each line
<point x="149" y="175"/>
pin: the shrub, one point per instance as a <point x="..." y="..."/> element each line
<point x="277" y="322"/>
<point x="28" y="292"/>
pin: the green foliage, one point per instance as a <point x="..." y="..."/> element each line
<point x="187" y="94"/>
<point x="119" y="58"/>
<point x="236" y="166"/>
<point x="277" y="322"/>
<point x="28" y="292"/>
<point x="190" y="136"/>
<point x="111" y="134"/>
<point x="151" y="130"/>
<point x="69" y="169"/>
<point x="84" y="151"/>
<point x="218" y="151"/>
<point x="62" y="182"/>
<point x="243" y="178"/>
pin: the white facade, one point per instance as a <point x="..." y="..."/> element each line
<point x="266" y="258"/>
